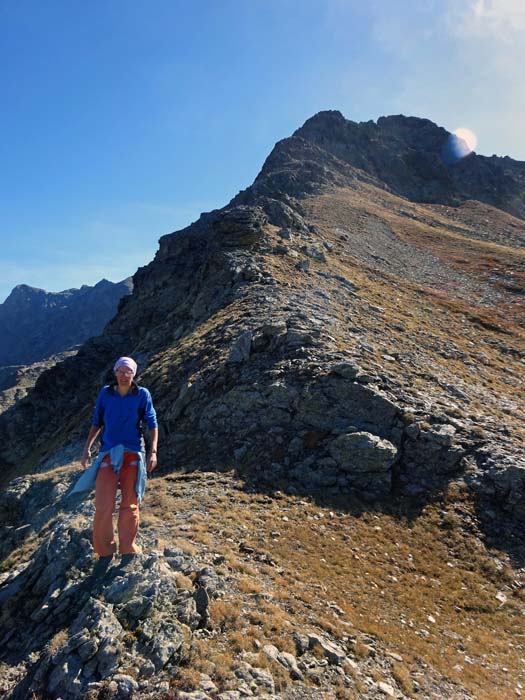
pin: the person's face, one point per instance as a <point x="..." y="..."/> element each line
<point x="124" y="376"/>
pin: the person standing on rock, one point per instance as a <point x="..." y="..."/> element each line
<point x="120" y="411"/>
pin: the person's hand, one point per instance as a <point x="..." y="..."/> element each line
<point x="86" y="458"/>
<point x="152" y="461"/>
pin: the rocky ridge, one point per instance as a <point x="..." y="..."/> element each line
<point x="326" y="337"/>
<point x="265" y="360"/>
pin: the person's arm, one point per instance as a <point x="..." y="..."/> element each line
<point x="150" y="418"/>
<point x="86" y="455"/>
<point x="152" y="456"/>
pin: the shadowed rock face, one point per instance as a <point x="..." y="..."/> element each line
<point x="37" y="324"/>
<point x="17" y="380"/>
<point x="304" y="333"/>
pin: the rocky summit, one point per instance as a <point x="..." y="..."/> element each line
<point x="336" y="359"/>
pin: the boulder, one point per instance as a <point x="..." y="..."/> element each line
<point x="241" y="226"/>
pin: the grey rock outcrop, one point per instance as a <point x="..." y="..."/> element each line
<point x="366" y="459"/>
<point x="241" y="226"/>
<point x="137" y="613"/>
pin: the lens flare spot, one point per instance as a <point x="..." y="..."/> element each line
<point x="458" y="145"/>
<point x="468" y="136"/>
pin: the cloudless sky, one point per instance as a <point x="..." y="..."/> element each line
<point x="123" y="120"/>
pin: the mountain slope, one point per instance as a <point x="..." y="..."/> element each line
<point x="17" y="380"/>
<point x="328" y="337"/>
<point x="350" y="314"/>
<point x="289" y="598"/>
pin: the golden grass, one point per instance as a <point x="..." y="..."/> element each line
<point x="423" y="587"/>
<point x="187" y="679"/>
<point x="185" y="583"/>
<point x="403" y="678"/>
<point x="22" y="553"/>
<point x="248" y="585"/>
<point x="57" y="641"/>
<point x="225" y="615"/>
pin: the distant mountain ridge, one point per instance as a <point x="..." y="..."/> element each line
<point x="36" y="323"/>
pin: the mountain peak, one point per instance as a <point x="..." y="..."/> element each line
<point x="410" y="156"/>
<point x="327" y="118"/>
<point x="23" y="294"/>
<point x="27" y="289"/>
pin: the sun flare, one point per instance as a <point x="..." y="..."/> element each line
<point x="468" y="136"/>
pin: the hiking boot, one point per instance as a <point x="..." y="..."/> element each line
<point x="127" y="560"/>
<point x="102" y="565"/>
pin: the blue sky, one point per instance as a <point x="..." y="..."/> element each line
<point x="123" y="120"/>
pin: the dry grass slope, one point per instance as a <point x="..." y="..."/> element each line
<point x="425" y="589"/>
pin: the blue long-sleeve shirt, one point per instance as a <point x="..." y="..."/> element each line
<point x="121" y="417"/>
